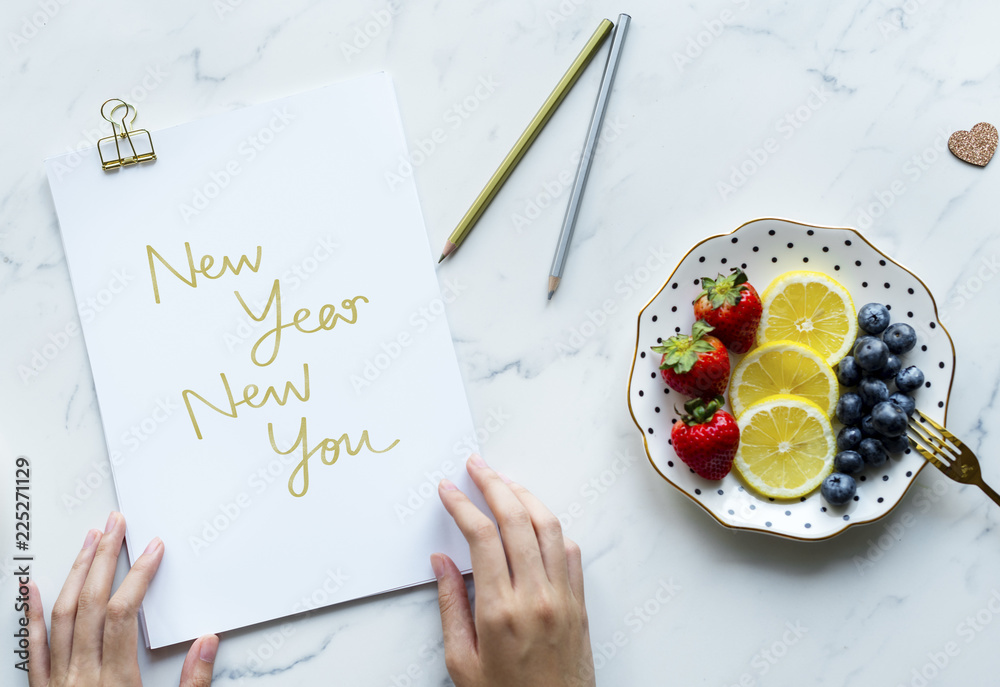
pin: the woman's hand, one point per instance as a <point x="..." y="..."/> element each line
<point x="530" y="626"/>
<point x="94" y="639"/>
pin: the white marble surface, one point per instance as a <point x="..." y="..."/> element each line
<point x="859" y="97"/>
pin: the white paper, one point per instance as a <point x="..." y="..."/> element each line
<point x="305" y="180"/>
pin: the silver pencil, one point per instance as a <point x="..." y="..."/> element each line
<point x="583" y="170"/>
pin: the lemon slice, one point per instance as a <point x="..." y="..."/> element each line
<point x="812" y="309"/>
<point x="783" y="367"/>
<point x="786" y="447"/>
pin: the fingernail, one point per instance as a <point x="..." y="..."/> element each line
<point x="153" y="545"/>
<point x="112" y="520"/>
<point x="92" y="536"/>
<point x="505" y="478"/>
<point x="438" y="564"/>
<point x="477" y="460"/>
<point x="448" y="485"/>
<point x="209" y="646"/>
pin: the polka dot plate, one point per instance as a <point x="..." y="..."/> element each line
<point x="766" y="248"/>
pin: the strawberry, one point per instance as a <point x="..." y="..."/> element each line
<point x="695" y="365"/>
<point x="706" y="438"/>
<point x="732" y="306"/>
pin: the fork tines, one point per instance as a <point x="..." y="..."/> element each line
<point x="945" y="452"/>
<point x="935" y="443"/>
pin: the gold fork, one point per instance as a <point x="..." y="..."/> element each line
<point x="945" y="452"/>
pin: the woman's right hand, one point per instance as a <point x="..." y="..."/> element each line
<point x="530" y="626"/>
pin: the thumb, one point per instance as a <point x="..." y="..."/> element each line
<point x="197" y="670"/>
<point x="456" y="613"/>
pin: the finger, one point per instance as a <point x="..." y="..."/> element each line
<point x="457" y="623"/>
<point x="489" y="563"/>
<point x="197" y="670"/>
<point x="38" y="641"/>
<point x="519" y="538"/>
<point x="91" y="609"/>
<point x="121" y="630"/>
<point x="574" y="565"/>
<point x="64" y="609"/>
<point x="549" y="534"/>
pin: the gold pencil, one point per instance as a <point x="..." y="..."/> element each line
<point x="528" y="137"/>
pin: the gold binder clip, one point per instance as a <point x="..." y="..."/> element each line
<point x="120" y="130"/>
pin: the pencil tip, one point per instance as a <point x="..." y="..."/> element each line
<point x="550" y="294"/>
<point x="443" y="256"/>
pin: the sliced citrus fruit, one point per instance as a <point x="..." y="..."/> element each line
<point x="812" y="309"/>
<point x="786" y="447"/>
<point x="783" y="367"/>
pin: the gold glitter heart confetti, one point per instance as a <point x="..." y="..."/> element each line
<point x="975" y="147"/>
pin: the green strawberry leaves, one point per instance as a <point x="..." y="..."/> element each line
<point x="700" y="329"/>
<point x="681" y="353"/>
<point x="700" y="411"/>
<point x="724" y="290"/>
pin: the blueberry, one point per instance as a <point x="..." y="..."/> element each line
<point x="899" y="338"/>
<point x="838" y="489"/>
<point x="888" y="419"/>
<point x="873" y="318"/>
<point x="890" y="369"/>
<point x="861" y="340"/>
<point x="873" y="452"/>
<point x="895" y="444"/>
<point x="871" y="353"/>
<point x="849" y="408"/>
<point x="872" y="392"/>
<point x="848" y="438"/>
<point x="909" y="379"/>
<point x="905" y="402"/>
<point x="848" y="462"/>
<point x="848" y="371"/>
<point x="867" y="428"/>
